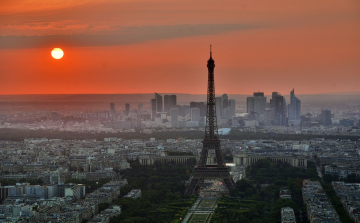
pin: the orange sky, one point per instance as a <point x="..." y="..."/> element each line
<point x="131" y="46"/>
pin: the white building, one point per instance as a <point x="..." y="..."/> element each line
<point x="287" y="215"/>
<point x="76" y="191"/>
<point x="10" y="210"/>
<point x="37" y="190"/>
<point x="124" y="164"/>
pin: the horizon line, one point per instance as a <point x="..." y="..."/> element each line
<point x="342" y="92"/>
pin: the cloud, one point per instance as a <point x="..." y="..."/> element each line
<point x="120" y="36"/>
<point x="45" y="28"/>
<point x="26" y="6"/>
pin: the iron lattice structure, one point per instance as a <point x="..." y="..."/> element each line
<point x="211" y="142"/>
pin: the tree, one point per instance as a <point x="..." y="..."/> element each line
<point x="187" y="172"/>
<point x="243" y="184"/>
<point x="328" y="178"/>
<point x="351" y="178"/>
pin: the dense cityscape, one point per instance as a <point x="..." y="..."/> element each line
<point x="68" y="180"/>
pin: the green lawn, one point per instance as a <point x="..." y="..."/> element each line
<point x="199" y="218"/>
<point x="207" y="203"/>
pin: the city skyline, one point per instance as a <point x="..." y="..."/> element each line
<point x="122" y="47"/>
<point x="151" y="162"/>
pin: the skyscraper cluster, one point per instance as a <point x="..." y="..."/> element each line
<point x="197" y="114"/>
<point x="127" y="119"/>
<point x="193" y="115"/>
<point x="225" y="108"/>
<point x="276" y="112"/>
<point x="156" y="105"/>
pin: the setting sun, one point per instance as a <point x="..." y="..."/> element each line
<point x="57" y="53"/>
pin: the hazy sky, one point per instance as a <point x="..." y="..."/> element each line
<point x="131" y="46"/>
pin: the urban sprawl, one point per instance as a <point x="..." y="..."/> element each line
<point x="39" y="175"/>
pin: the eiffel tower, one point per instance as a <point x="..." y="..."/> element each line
<point x="211" y="142"/>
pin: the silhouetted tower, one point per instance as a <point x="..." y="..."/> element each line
<point x="127" y="109"/>
<point x="112" y="107"/>
<point x="169" y="102"/>
<point x="139" y="115"/>
<point x="211" y="142"/>
<point x="325" y="117"/>
<point x="112" y="110"/>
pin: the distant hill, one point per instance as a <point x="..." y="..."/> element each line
<point x="102" y="101"/>
<point x="146" y="97"/>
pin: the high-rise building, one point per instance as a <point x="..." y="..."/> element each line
<point x="268" y="116"/>
<point x="156" y="106"/>
<point x="169" y="102"/>
<point x="127" y="109"/>
<point x="257" y="103"/>
<point x="230" y="110"/>
<point x="112" y="108"/>
<point x="219" y="108"/>
<point x="294" y="109"/>
<point x="153" y="108"/>
<point x="250" y="105"/>
<point x="139" y="115"/>
<point x="225" y="108"/>
<point x="159" y="103"/>
<point x="181" y="109"/>
<point x="174" y="114"/>
<point x="225" y="100"/>
<point x="193" y="104"/>
<point x="258" y="94"/>
<point x="140" y="107"/>
<point x="325" y="118"/>
<point x="112" y="111"/>
<point x="272" y="100"/>
<point x="278" y="104"/>
<point x="256" y="106"/>
<point x="201" y="106"/>
<point x="272" y="107"/>
<point x="195" y="114"/>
